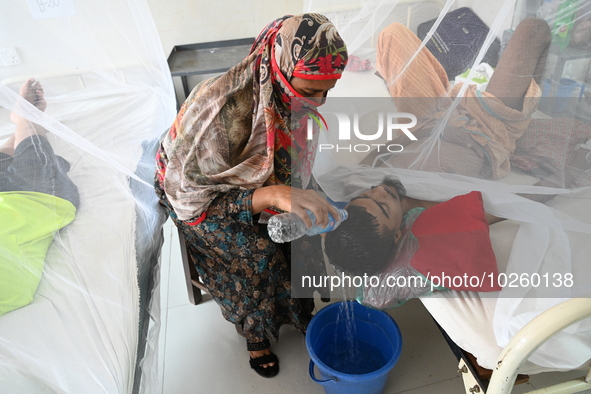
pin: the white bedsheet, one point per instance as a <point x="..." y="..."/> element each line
<point x="80" y="333"/>
<point x="484" y="325"/>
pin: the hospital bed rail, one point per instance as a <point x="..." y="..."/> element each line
<point x="525" y="343"/>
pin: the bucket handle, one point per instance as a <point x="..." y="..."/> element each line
<point x="322" y="382"/>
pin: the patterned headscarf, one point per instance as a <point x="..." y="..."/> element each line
<point x="240" y="130"/>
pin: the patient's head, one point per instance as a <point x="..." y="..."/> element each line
<point x="364" y="242"/>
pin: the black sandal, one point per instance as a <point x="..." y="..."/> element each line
<point x="257" y="363"/>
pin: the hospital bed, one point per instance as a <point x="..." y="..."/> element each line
<point x="87" y="327"/>
<point x="470" y="320"/>
<point x="467" y="318"/>
<point x="93" y="324"/>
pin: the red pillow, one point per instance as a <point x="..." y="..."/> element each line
<point x="454" y="245"/>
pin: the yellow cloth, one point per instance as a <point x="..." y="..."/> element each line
<point x="419" y="86"/>
<point x="29" y="221"/>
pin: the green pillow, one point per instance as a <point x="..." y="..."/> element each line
<point x="29" y="221"/>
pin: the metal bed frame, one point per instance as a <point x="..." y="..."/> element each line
<point x="522" y="346"/>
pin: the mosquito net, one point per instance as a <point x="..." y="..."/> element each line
<point x="455" y="97"/>
<point x="85" y="95"/>
<point x="452" y="97"/>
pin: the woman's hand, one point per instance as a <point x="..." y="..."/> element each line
<point x="294" y="200"/>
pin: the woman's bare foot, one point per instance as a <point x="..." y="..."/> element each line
<point x="262" y="360"/>
<point x="32" y="91"/>
<point x="261" y="353"/>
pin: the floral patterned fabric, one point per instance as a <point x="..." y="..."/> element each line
<point x="239" y="130"/>
<point x="246" y="273"/>
<point x="547" y="148"/>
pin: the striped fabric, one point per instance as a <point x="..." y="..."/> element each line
<point x="420" y="86"/>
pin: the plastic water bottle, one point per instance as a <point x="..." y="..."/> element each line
<point x="563" y="23"/>
<point x="548" y="11"/>
<point x="287" y="227"/>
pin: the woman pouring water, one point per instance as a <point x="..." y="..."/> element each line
<point x="236" y="148"/>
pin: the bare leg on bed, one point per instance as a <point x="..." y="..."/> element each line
<point x="32" y="91"/>
<point x="523" y="59"/>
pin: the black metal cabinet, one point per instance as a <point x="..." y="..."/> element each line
<point x="206" y="58"/>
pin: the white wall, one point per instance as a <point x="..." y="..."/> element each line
<point x="178" y="22"/>
<point x="182" y="22"/>
<point x="194" y="21"/>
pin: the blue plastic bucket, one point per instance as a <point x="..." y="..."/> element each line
<point x="353" y="347"/>
<point x="560" y="101"/>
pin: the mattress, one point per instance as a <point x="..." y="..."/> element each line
<point x="482" y="324"/>
<point x="86" y="329"/>
<point x="472" y="319"/>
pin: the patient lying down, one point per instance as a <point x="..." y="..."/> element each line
<point x="392" y="236"/>
<point x="37" y="198"/>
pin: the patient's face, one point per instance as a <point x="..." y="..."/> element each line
<point x="383" y="202"/>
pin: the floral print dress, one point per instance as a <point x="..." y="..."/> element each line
<point x="236" y="133"/>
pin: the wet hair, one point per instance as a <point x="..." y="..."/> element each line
<point x="394" y="182"/>
<point x="357" y="246"/>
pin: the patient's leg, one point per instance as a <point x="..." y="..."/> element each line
<point x="436" y="156"/>
<point x="414" y="78"/>
<point x="35" y="167"/>
<point x="32" y="91"/>
<point x="524" y="58"/>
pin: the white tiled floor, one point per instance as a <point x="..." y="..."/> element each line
<point x="199" y="352"/>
